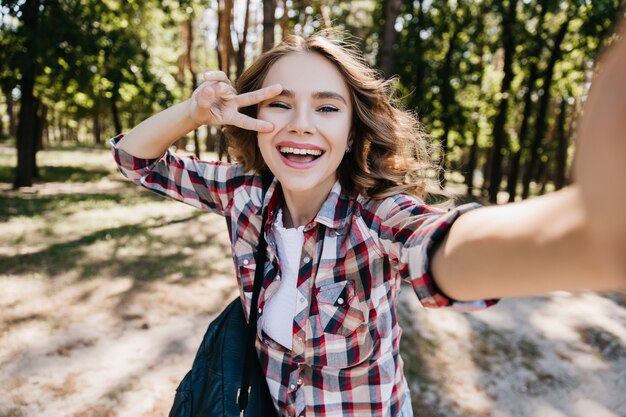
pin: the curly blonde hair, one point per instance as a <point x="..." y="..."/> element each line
<point x="390" y="151"/>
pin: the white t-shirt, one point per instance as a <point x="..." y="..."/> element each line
<point x="280" y="308"/>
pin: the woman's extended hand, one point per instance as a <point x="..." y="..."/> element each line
<point x="216" y="102"/>
<point x="600" y="163"/>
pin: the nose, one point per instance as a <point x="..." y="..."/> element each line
<point x="301" y="123"/>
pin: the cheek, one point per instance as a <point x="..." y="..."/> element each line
<point x="263" y="142"/>
<point x="270" y="116"/>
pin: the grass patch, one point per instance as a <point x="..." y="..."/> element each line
<point x="80" y="226"/>
<point x="130" y="250"/>
<point x="58" y="174"/>
<point x="59" y="205"/>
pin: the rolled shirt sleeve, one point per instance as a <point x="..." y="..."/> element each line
<point x="410" y="232"/>
<point x="206" y="185"/>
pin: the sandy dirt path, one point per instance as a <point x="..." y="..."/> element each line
<point x="106" y="291"/>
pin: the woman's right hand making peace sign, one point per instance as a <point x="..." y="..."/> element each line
<point x="216" y="102"/>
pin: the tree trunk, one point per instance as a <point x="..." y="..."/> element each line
<point x="222" y="149"/>
<point x="499" y="132"/>
<point x="42" y="122"/>
<point x="2" y="135"/>
<point x="562" y="146"/>
<point x="487" y="172"/>
<point x="473" y="155"/>
<point x="210" y="139"/>
<point x="447" y="99"/>
<point x="243" y="42"/>
<point x="543" y="176"/>
<point x="8" y="93"/>
<point x="11" y="112"/>
<point x="268" y="24"/>
<point x="27" y="129"/>
<point x="472" y="161"/>
<point x="528" y="107"/>
<point x="541" y="119"/>
<point x="224" y="51"/>
<point x="224" y="42"/>
<point x="284" y="21"/>
<point x="114" y="111"/>
<point x="420" y="68"/>
<point x="26" y="134"/>
<point x="97" y="133"/>
<point x="387" y="54"/>
<point x="192" y="73"/>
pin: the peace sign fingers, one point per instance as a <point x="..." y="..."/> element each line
<point x="250" y="123"/>
<point x="255" y="97"/>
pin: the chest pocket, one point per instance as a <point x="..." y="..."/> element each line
<point x="339" y="308"/>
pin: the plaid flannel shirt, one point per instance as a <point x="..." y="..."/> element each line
<point x="345" y="357"/>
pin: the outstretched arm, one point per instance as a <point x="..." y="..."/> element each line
<point x="572" y="239"/>
<point x="215" y="102"/>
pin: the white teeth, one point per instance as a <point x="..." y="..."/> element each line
<point x="298" y="151"/>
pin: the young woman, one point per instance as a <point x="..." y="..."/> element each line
<point x="346" y="222"/>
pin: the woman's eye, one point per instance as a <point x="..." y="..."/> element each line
<point x="278" y="105"/>
<point x="326" y="109"/>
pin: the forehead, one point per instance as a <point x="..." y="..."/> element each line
<point x="306" y="71"/>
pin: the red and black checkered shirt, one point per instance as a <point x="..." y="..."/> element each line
<point x="345" y="357"/>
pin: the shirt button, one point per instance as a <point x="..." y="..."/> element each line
<point x="302" y="300"/>
<point x="340" y="300"/>
<point x="277" y="277"/>
<point x="260" y="310"/>
<point x="246" y="262"/>
<point x="299" y="381"/>
<point x="306" y="259"/>
<point x="292" y="387"/>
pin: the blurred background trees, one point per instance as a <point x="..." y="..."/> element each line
<point x="498" y="84"/>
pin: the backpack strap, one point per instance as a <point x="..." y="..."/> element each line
<point x="261" y="254"/>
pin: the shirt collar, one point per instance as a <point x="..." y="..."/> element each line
<point x="334" y="213"/>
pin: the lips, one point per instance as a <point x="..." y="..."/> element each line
<point x="298" y="155"/>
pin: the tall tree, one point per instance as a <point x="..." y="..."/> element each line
<point x="533" y="75"/>
<point x="29" y="68"/>
<point x="391" y="10"/>
<point x="225" y="50"/>
<point x="542" y="113"/>
<point x="562" y="139"/>
<point x="447" y="72"/>
<point x="269" y="21"/>
<point x="243" y="41"/>
<point x="509" y="20"/>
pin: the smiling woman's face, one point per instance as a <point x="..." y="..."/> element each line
<point x="312" y="120"/>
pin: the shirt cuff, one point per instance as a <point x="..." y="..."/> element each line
<point x="428" y="291"/>
<point x="131" y="167"/>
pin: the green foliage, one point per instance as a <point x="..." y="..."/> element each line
<point x="105" y="57"/>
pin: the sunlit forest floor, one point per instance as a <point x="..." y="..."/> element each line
<point x="106" y="291"/>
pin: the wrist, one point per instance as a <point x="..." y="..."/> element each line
<point x="191" y="118"/>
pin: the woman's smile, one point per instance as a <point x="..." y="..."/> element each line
<point x="299" y="156"/>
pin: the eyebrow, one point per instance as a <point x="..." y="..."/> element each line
<point x="317" y="95"/>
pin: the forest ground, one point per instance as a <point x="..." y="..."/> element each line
<point x="106" y="291"/>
